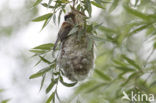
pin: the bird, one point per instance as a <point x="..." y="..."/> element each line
<point x="66" y="27"/>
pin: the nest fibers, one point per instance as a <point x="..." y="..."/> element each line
<point x="74" y="58"/>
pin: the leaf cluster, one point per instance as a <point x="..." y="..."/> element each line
<point x="120" y="62"/>
<point x="41" y="51"/>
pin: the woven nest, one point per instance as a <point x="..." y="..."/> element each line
<point x="74" y="58"/>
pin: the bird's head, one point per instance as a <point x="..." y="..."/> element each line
<point x="70" y="17"/>
<point x="75" y="17"/>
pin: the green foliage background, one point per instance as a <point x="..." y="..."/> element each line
<point x="125" y="49"/>
<point x="126" y="57"/>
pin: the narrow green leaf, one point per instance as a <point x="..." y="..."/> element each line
<point x="42" y="82"/>
<point x="5" y="101"/>
<point x="136" y="13"/>
<point x="1" y="90"/>
<point x="47" y="46"/>
<point x="100" y="1"/>
<point x="139" y="29"/>
<point x="113" y="39"/>
<point x="56" y="73"/>
<point x="90" y="44"/>
<point x="46" y="5"/>
<point x="51" y="85"/>
<point x="153" y="84"/>
<point x="78" y="7"/>
<point x="132" y="62"/>
<point x="58" y="97"/>
<point x="49" y="3"/>
<point x="89" y="28"/>
<point x="118" y="62"/>
<point x="45" y="23"/>
<point x="97" y="5"/>
<point x="53" y="65"/>
<point x="37" y="63"/>
<point x="85" y="85"/>
<point x="96" y="38"/>
<point x="133" y="75"/>
<point x="96" y="87"/>
<point x="54" y="19"/>
<point x="43" y="17"/>
<point x="136" y="2"/>
<point x="65" y="1"/>
<point x="88" y="7"/>
<point x="59" y="17"/>
<point x="152" y="16"/>
<point x="64" y="10"/>
<point x="114" y="5"/>
<point x="67" y="84"/>
<point x="45" y="60"/>
<point x="102" y="75"/>
<point x="154" y="45"/>
<point x="125" y="69"/>
<point x="150" y="30"/>
<point x="51" y="98"/>
<point x="40" y="73"/>
<point x="95" y="27"/>
<point x="106" y="29"/>
<point x="121" y="74"/>
<point x="37" y="2"/>
<point x="37" y="51"/>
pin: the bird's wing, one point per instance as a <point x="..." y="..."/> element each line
<point x="63" y="33"/>
<point x="65" y="29"/>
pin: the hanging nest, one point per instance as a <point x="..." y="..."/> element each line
<point x="76" y="56"/>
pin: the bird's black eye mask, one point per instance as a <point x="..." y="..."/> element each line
<point x="70" y="15"/>
<point x="66" y="17"/>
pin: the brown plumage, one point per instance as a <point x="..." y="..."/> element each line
<point x="65" y="29"/>
<point x="63" y="32"/>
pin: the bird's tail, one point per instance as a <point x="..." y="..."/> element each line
<point x="55" y="45"/>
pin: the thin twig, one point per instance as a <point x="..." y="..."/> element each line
<point x="146" y="64"/>
<point x="73" y="3"/>
<point x="148" y="58"/>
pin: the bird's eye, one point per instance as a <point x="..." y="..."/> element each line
<point x="66" y="17"/>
